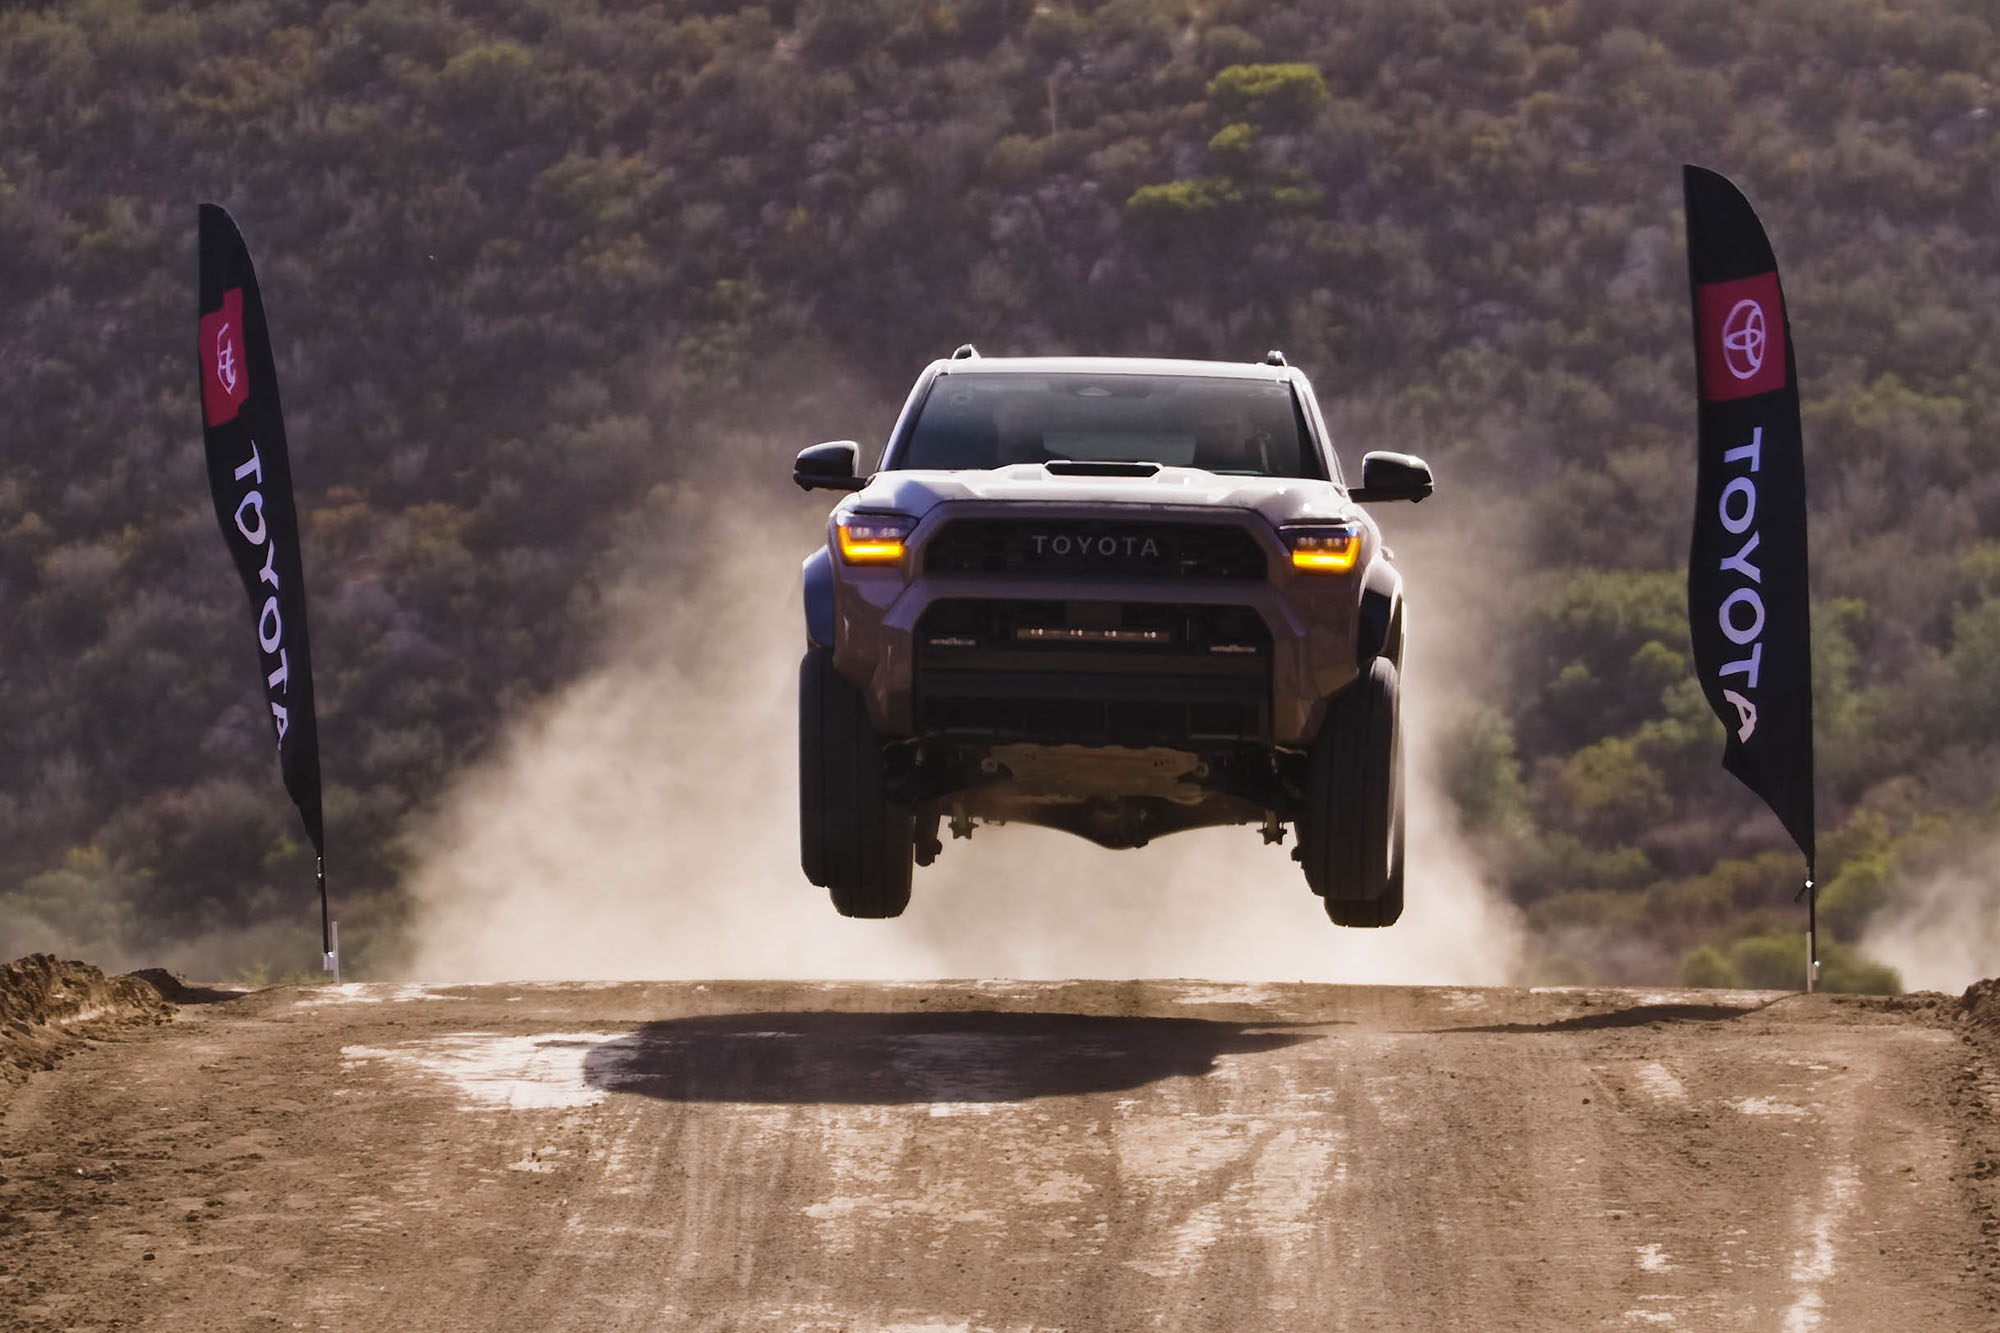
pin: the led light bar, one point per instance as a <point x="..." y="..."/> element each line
<point x="1066" y="635"/>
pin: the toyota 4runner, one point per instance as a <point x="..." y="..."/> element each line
<point x="1115" y="597"/>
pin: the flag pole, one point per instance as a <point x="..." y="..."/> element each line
<point x="1811" y="894"/>
<point x="1812" y="932"/>
<point x="329" y="933"/>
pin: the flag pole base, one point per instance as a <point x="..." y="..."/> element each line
<point x="330" y="960"/>
<point x="1812" y="936"/>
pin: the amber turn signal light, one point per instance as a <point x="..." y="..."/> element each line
<point x="872" y="539"/>
<point x="1329" y="549"/>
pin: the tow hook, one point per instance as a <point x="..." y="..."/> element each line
<point x="1273" y="830"/>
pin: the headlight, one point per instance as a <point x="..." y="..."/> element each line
<point x="1323" y="548"/>
<point x="872" y="539"/>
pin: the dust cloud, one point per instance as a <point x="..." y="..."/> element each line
<point x="643" y="825"/>
<point x="1942" y="932"/>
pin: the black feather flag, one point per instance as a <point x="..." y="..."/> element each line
<point x="1747" y="596"/>
<point x="1749" y="608"/>
<point x="250" y="479"/>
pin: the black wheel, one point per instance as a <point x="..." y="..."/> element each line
<point x="853" y="841"/>
<point x="1351" y="838"/>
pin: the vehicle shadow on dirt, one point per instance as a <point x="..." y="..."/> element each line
<point x="1639" y="1015"/>
<point x="897" y="1059"/>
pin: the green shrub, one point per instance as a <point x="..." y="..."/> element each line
<point x="1271" y="92"/>
<point x="1185" y="197"/>
<point x="1770" y="962"/>
<point x="1482" y="772"/>
<point x="1705" y="966"/>
<point x="1855" y="894"/>
<point x="1014" y="158"/>
<point x="1776" y="960"/>
<point x="1233" y="147"/>
<point x="1226" y="44"/>
<point x="1843" y="969"/>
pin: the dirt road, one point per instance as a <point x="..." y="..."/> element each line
<point x="1078" y="1156"/>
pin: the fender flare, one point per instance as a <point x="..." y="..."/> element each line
<point x="817" y="575"/>
<point x="1380" y="627"/>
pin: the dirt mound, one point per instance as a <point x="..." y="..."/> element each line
<point x="1979" y="1009"/>
<point x="175" y="989"/>
<point x="47" y="1004"/>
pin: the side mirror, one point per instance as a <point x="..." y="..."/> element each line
<point x="1387" y="476"/>
<point x="829" y="467"/>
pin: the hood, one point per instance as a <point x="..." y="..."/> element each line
<point x="1277" y="499"/>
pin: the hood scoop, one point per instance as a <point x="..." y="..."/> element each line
<point x="1064" y="467"/>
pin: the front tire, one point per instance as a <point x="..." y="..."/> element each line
<point x="853" y="840"/>
<point x="1352" y="837"/>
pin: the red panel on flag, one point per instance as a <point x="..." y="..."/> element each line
<point x="225" y="379"/>
<point x="1742" y="337"/>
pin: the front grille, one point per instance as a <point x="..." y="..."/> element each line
<point x="1068" y="548"/>
<point x="1123" y="672"/>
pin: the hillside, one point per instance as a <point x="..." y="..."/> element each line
<point x="547" y="280"/>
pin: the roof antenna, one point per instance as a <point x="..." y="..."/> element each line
<point x="965" y="352"/>
<point x="1274" y="357"/>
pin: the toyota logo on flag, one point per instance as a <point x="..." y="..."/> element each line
<point x="1743" y="340"/>
<point x="225" y="357"/>
<point x="225" y="381"/>
<point x="1742" y="337"/>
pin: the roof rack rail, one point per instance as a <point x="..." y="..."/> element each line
<point x="1274" y="357"/>
<point x="965" y="352"/>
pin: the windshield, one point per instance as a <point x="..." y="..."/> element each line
<point x="1243" y="427"/>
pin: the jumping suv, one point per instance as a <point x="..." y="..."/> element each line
<point x="1115" y="597"/>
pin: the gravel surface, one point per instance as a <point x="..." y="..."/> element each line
<point x="1011" y="1156"/>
